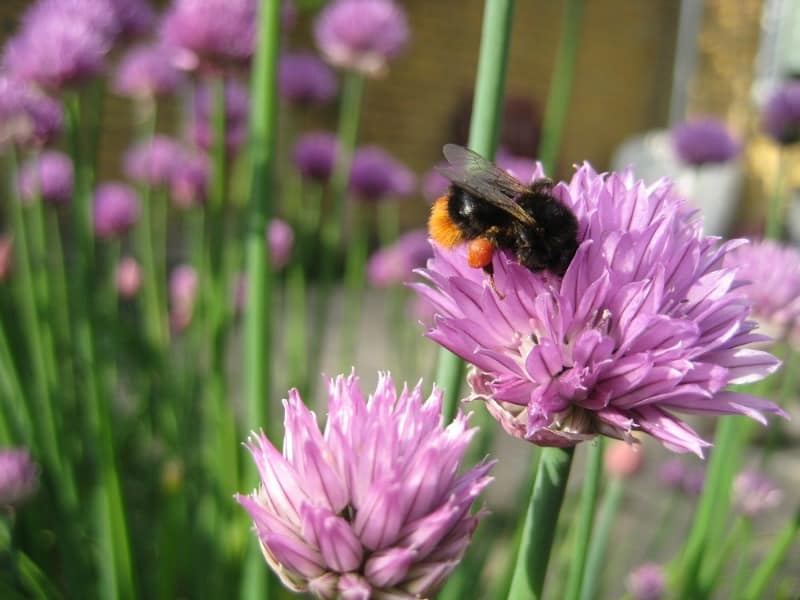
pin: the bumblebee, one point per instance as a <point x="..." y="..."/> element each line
<point x="489" y="209"/>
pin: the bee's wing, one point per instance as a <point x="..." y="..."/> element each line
<point x="489" y="182"/>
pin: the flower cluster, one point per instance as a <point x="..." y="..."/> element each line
<point x="146" y="72"/>
<point x="304" y="80"/>
<point x="394" y="264"/>
<point x="115" y="210"/>
<point x="704" y="141"/>
<point x="643" y="324"/>
<point x="19" y="476"/>
<point x="376" y="175"/>
<point x="373" y="505"/>
<point x="26" y="116"/>
<point x="781" y="114"/>
<point x="49" y="177"/>
<point x="314" y="155"/>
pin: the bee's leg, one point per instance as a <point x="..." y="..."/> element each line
<point x="489" y="270"/>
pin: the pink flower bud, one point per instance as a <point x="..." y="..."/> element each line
<point x="129" y="277"/>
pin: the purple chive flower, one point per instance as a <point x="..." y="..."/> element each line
<point x="237" y="108"/>
<point x="372" y="506"/>
<point x="153" y="161"/>
<point x="643" y="324"/>
<point x="116" y="209"/>
<point x="647" y="582"/>
<point x="189" y="181"/>
<point x="147" y="72"/>
<point x="129" y="277"/>
<point x="518" y="166"/>
<point x="280" y="240"/>
<point x="704" y="141"/>
<point x="376" y="175"/>
<point x="6" y="255"/>
<point x="362" y="35"/>
<point x="304" y="80"/>
<point x="49" y="177"/>
<point x="134" y="17"/>
<point x="211" y="33"/>
<point x="772" y="273"/>
<point x="434" y="185"/>
<point x="676" y="475"/>
<point x="780" y="116"/>
<point x="19" y="476"/>
<point x="183" y="283"/>
<point x="27" y="118"/>
<point x="314" y="155"/>
<point x="394" y="264"/>
<point x="61" y="43"/>
<point x="754" y="493"/>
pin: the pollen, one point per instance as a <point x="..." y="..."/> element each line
<point x="480" y="253"/>
<point x="441" y="227"/>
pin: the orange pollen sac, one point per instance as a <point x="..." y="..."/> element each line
<point x="479" y="253"/>
<point x="441" y="227"/>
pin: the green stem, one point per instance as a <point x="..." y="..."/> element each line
<point x="16" y="408"/>
<point x="774" y="224"/>
<point x="484" y="131"/>
<point x="296" y="332"/>
<point x="388" y="221"/>
<point x="591" y="484"/>
<point x="595" y="562"/>
<point x="555" y="115"/>
<point x="540" y="523"/>
<point x="258" y="325"/>
<point x="769" y="566"/>
<point x="354" y="286"/>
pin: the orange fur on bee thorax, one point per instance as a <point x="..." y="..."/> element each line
<point x="479" y="253"/>
<point x="441" y="227"/>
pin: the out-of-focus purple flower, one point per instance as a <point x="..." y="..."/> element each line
<point x="376" y="175"/>
<point x="644" y="324"/>
<point x="211" y="33"/>
<point x="754" y="493"/>
<point x="49" y="176"/>
<point x="26" y="116"/>
<point x="314" y="155"/>
<point x="780" y="116"/>
<point x="704" y="141"/>
<point x="623" y="460"/>
<point x="518" y="166"/>
<point x="189" y="181"/>
<point x="373" y="506"/>
<point x="288" y="15"/>
<point x="147" y="72"/>
<point x="362" y="35"/>
<point x="434" y="185"/>
<point x="134" y="17"/>
<point x="237" y="108"/>
<point x="153" y="161"/>
<point x="183" y="284"/>
<point x="395" y="264"/>
<point x="6" y="255"/>
<point x="19" y="476"/>
<point x="116" y="209"/>
<point x="772" y="273"/>
<point x="129" y="277"/>
<point x="61" y="43"/>
<point x="647" y="582"/>
<point x="676" y="475"/>
<point x="304" y="80"/>
<point x="280" y="241"/>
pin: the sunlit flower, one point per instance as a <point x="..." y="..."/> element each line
<point x="237" y="108"/>
<point x="314" y="155"/>
<point x="376" y="175"/>
<point x="153" y="161"/>
<point x="303" y="79"/>
<point x="6" y="255"/>
<point x="772" y="275"/>
<point x="189" y="181"/>
<point x="647" y="582"/>
<point x="704" y="141"/>
<point x="129" y="277"/>
<point x="26" y="116"/>
<point x="280" y="240"/>
<point x="362" y="35"/>
<point x="60" y="44"/>
<point x="19" y="476"/>
<point x="394" y="264"/>
<point x="754" y="493"/>
<point x="781" y="114"/>
<point x="116" y="209"/>
<point x="372" y="506"/>
<point x="643" y="324"/>
<point x="183" y="283"/>
<point x="211" y="33"/>
<point x="146" y="72"/>
<point x="48" y="176"/>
